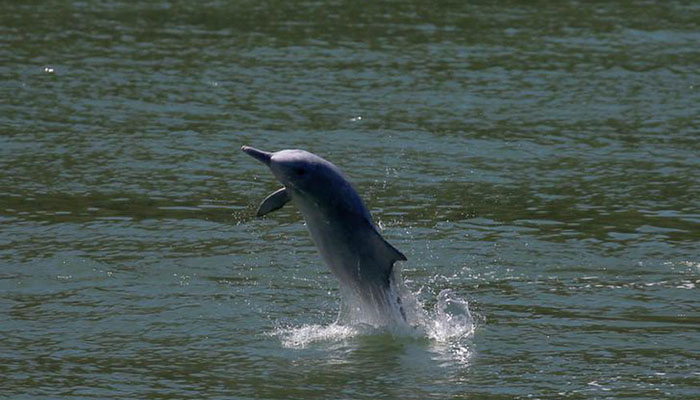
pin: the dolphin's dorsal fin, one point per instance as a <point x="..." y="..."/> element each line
<point x="380" y="262"/>
<point x="391" y="253"/>
<point x="274" y="201"/>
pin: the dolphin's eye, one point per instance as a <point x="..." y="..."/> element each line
<point x="300" y="171"/>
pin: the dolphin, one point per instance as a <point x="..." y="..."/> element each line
<point x="343" y="231"/>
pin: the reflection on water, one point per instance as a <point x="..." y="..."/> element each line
<point x="536" y="160"/>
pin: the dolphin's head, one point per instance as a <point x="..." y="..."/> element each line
<point x="297" y="169"/>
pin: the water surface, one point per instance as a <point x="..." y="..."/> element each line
<point x="538" y="160"/>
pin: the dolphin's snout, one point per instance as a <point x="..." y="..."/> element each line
<point x="262" y="156"/>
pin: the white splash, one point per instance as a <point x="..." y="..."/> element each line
<point x="305" y="335"/>
<point x="451" y="318"/>
<point x="446" y="325"/>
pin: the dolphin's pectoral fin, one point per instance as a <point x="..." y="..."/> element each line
<point x="274" y="201"/>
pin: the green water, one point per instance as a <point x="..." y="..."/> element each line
<point x="538" y="159"/>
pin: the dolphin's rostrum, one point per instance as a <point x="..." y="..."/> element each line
<point x="343" y="231"/>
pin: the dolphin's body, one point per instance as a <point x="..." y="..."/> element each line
<point x="343" y="231"/>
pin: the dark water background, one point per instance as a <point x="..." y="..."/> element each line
<point x="539" y="159"/>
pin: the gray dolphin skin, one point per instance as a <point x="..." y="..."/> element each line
<point x="342" y="229"/>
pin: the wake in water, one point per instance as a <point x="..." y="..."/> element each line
<point x="447" y="323"/>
